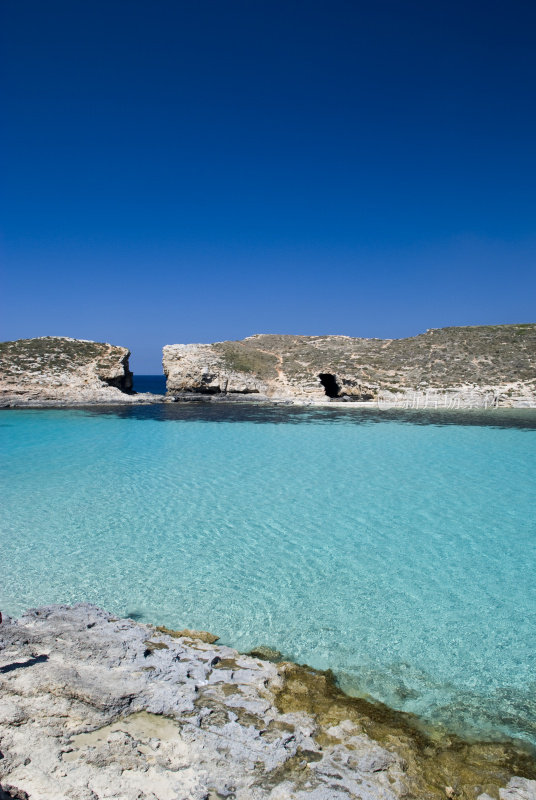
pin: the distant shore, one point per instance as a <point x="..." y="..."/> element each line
<point x="466" y="367"/>
<point x="155" y="399"/>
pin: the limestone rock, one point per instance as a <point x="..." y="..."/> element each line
<point x="54" y="370"/>
<point x="199" y="368"/>
<point x="95" y="708"/>
<point x="466" y="365"/>
<point x="519" y="789"/>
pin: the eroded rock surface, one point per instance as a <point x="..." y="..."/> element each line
<point x="93" y="707"/>
<point x="55" y="370"/>
<point x="496" y="362"/>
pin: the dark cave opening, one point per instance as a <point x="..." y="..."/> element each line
<point x="329" y="382"/>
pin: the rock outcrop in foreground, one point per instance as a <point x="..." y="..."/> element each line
<point x="494" y="363"/>
<point x="56" y="370"/>
<point x="94" y="707"/>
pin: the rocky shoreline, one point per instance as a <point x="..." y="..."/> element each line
<point x="467" y="367"/>
<point x="463" y="367"/>
<point x="96" y="707"/>
<point x="80" y="399"/>
<point x="56" y="371"/>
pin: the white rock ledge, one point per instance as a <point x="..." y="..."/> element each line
<point x="93" y="707"/>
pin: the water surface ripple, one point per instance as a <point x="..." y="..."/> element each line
<point x="397" y="549"/>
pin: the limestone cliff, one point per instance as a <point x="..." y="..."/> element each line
<point x="496" y="361"/>
<point x="96" y="708"/>
<point x="59" y="370"/>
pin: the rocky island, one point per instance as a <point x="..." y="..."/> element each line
<point x="93" y="707"/>
<point x="461" y="367"/>
<point x="496" y="364"/>
<point x="57" y="370"/>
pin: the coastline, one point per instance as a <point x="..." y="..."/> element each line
<point x="88" y="687"/>
<point x="120" y="399"/>
<point x="454" y="367"/>
<point x="432" y="761"/>
<point x="239" y="399"/>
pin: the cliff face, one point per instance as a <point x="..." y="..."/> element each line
<point x="499" y="361"/>
<point x="57" y="370"/>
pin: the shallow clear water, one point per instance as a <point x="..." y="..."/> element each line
<point x="396" y="548"/>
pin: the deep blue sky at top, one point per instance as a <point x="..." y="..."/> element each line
<point x="191" y="171"/>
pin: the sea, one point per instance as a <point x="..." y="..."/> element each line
<point x="395" y="548"/>
<point x="156" y="384"/>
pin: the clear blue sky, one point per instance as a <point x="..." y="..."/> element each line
<point x="194" y="171"/>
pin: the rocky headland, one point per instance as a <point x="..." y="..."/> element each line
<point x="482" y="365"/>
<point x="95" y="707"/>
<point x="57" y="370"/>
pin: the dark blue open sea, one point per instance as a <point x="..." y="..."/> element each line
<point x="150" y="383"/>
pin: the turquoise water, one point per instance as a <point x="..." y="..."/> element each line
<point x="393" y="548"/>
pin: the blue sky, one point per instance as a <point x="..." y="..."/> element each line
<point x="176" y="172"/>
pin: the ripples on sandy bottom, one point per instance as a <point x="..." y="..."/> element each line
<point x="397" y="550"/>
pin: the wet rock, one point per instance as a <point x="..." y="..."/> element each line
<point x="519" y="789"/>
<point x="267" y="653"/>
<point x="203" y="636"/>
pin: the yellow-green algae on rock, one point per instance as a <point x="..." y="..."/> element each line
<point x="95" y="707"/>
<point x="438" y="763"/>
<point x="203" y="636"/>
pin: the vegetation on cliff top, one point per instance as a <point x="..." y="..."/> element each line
<point x="442" y="357"/>
<point x="54" y="355"/>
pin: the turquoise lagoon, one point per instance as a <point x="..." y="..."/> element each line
<point x="397" y="549"/>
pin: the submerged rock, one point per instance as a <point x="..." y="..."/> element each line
<point x="267" y="653"/>
<point x="94" y="707"/>
<point x="187" y="633"/>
